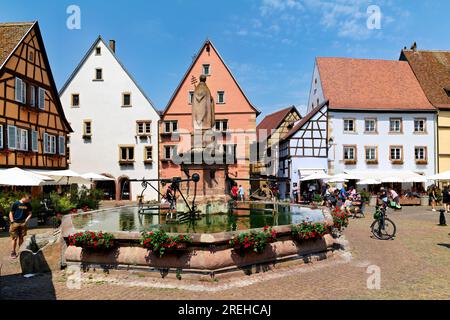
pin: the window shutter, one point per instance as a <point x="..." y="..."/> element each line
<point x="45" y="143"/>
<point x="12" y="137"/>
<point x="18" y="90"/>
<point x="33" y="96"/>
<point x="34" y="141"/>
<point x="62" y="145"/>
<point x="1" y="136"/>
<point x="24" y="92"/>
<point x="41" y="101"/>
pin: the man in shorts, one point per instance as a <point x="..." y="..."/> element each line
<point x="19" y="216"/>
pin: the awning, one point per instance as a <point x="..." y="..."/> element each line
<point x="96" y="177"/>
<point x="312" y="174"/>
<point x="19" y="177"/>
<point x="441" y="176"/>
<point x="64" y="177"/>
<point x="389" y="176"/>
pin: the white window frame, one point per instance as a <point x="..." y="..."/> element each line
<point x="424" y="150"/>
<point x="424" y="121"/>
<point x="49" y="143"/>
<point x="146" y="128"/>
<point x="400" y="125"/>
<point x="374" y="129"/>
<point x="400" y="158"/>
<point x="347" y="125"/>
<point x="354" y="153"/>
<point x="172" y="149"/>
<point x="221" y="125"/>
<point x="209" y="69"/>
<point x="171" y="122"/>
<point x="22" y="139"/>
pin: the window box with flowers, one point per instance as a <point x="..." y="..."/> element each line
<point x="254" y="241"/>
<point x="340" y="219"/>
<point x="159" y="242"/>
<point x="310" y="231"/>
<point x="89" y="240"/>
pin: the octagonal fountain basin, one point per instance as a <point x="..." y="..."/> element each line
<point x="211" y="233"/>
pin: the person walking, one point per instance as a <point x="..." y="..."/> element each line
<point x="241" y="193"/>
<point x="19" y="216"/>
<point x="446" y="198"/>
<point x="433" y="198"/>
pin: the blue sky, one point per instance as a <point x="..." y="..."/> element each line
<point x="270" y="45"/>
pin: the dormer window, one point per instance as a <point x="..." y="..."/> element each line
<point x="98" y="51"/>
<point x="207" y="69"/>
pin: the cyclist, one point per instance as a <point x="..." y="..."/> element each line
<point x="384" y="197"/>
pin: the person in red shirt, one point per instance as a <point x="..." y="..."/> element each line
<point x="234" y="192"/>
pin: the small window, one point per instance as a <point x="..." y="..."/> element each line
<point x="395" y="125"/>
<point x="420" y="125"/>
<point x="371" y="154"/>
<point x="370" y="126"/>
<point x="168" y="152"/>
<point x="148" y="154"/>
<point x="22" y="139"/>
<point x="221" y="97"/>
<point x="126" y="100"/>
<point x="126" y="154"/>
<point x="396" y="154"/>
<point x="98" y="74"/>
<point x="98" y="51"/>
<point x="350" y="153"/>
<point x="75" y="100"/>
<point x="31" y="56"/>
<point x="191" y="97"/>
<point x="49" y="144"/>
<point x="349" y="125"/>
<point x="143" y="128"/>
<point x="421" y="154"/>
<point x="87" y="128"/>
<point x="207" y="69"/>
<point x="221" y="125"/>
<point x="170" y="126"/>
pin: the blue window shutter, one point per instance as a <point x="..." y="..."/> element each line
<point x="1" y="136"/>
<point x="18" y="90"/>
<point x="33" y="96"/>
<point x="34" y="141"/>
<point x="41" y="101"/>
<point x="12" y="137"/>
<point x="45" y="143"/>
<point x="62" y="145"/>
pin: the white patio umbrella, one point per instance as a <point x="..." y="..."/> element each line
<point x="368" y="182"/>
<point x="19" y="177"/>
<point x="63" y="177"/>
<point x="342" y="177"/>
<point x="96" y="177"/>
<point x="440" y="176"/>
<point x="316" y="176"/>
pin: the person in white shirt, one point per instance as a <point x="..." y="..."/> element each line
<point x="394" y="196"/>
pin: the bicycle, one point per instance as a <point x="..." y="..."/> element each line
<point x="383" y="228"/>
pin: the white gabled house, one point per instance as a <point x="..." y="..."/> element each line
<point x="364" y="116"/>
<point x="115" y="124"/>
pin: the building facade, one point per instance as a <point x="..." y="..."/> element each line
<point x="364" y="115"/>
<point x="235" y="120"/>
<point x="33" y="127"/>
<point x="115" y="124"/>
<point x="431" y="69"/>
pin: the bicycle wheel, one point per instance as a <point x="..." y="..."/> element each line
<point x="385" y="232"/>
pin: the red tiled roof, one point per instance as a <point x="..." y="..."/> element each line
<point x="432" y="69"/>
<point x="10" y="36"/>
<point x="274" y="120"/>
<point x="371" y="85"/>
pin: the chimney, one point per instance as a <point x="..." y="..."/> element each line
<point x="112" y="45"/>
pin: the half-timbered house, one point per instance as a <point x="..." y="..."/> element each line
<point x="364" y="116"/>
<point x="33" y="127"/>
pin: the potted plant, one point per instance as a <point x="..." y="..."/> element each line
<point x="254" y="241"/>
<point x="92" y="240"/>
<point x="317" y="200"/>
<point x="309" y="231"/>
<point x="340" y="219"/>
<point x="158" y="242"/>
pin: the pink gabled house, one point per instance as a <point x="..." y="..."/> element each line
<point x="234" y="114"/>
